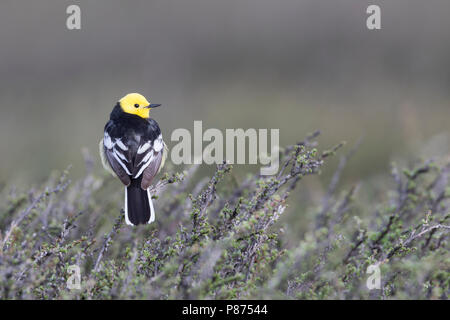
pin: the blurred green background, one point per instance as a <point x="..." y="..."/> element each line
<point x="296" y="65"/>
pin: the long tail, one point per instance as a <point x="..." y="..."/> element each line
<point x="138" y="204"/>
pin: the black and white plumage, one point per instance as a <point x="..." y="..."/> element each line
<point x="133" y="149"/>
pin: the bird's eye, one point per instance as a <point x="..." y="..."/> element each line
<point x="136" y="105"/>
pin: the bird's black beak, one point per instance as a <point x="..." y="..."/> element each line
<point x="153" y="105"/>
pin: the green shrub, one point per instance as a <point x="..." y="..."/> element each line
<point x="222" y="237"/>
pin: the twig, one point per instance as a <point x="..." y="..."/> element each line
<point x="26" y="212"/>
<point x="334" y="182"/>
<point x="413" y="236"/>
<point x="117" y="225"/>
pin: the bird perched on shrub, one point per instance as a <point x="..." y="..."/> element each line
<point x="133" y="149"/>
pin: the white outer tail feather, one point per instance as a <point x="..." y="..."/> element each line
<point x="152" y="210"/>
<point x="125" y="206"/>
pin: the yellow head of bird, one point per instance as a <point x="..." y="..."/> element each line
<point x="135" y="103"/>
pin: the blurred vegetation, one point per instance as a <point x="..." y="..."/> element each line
<point x="293" y="65"/>
<point x="232" y="236"/>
